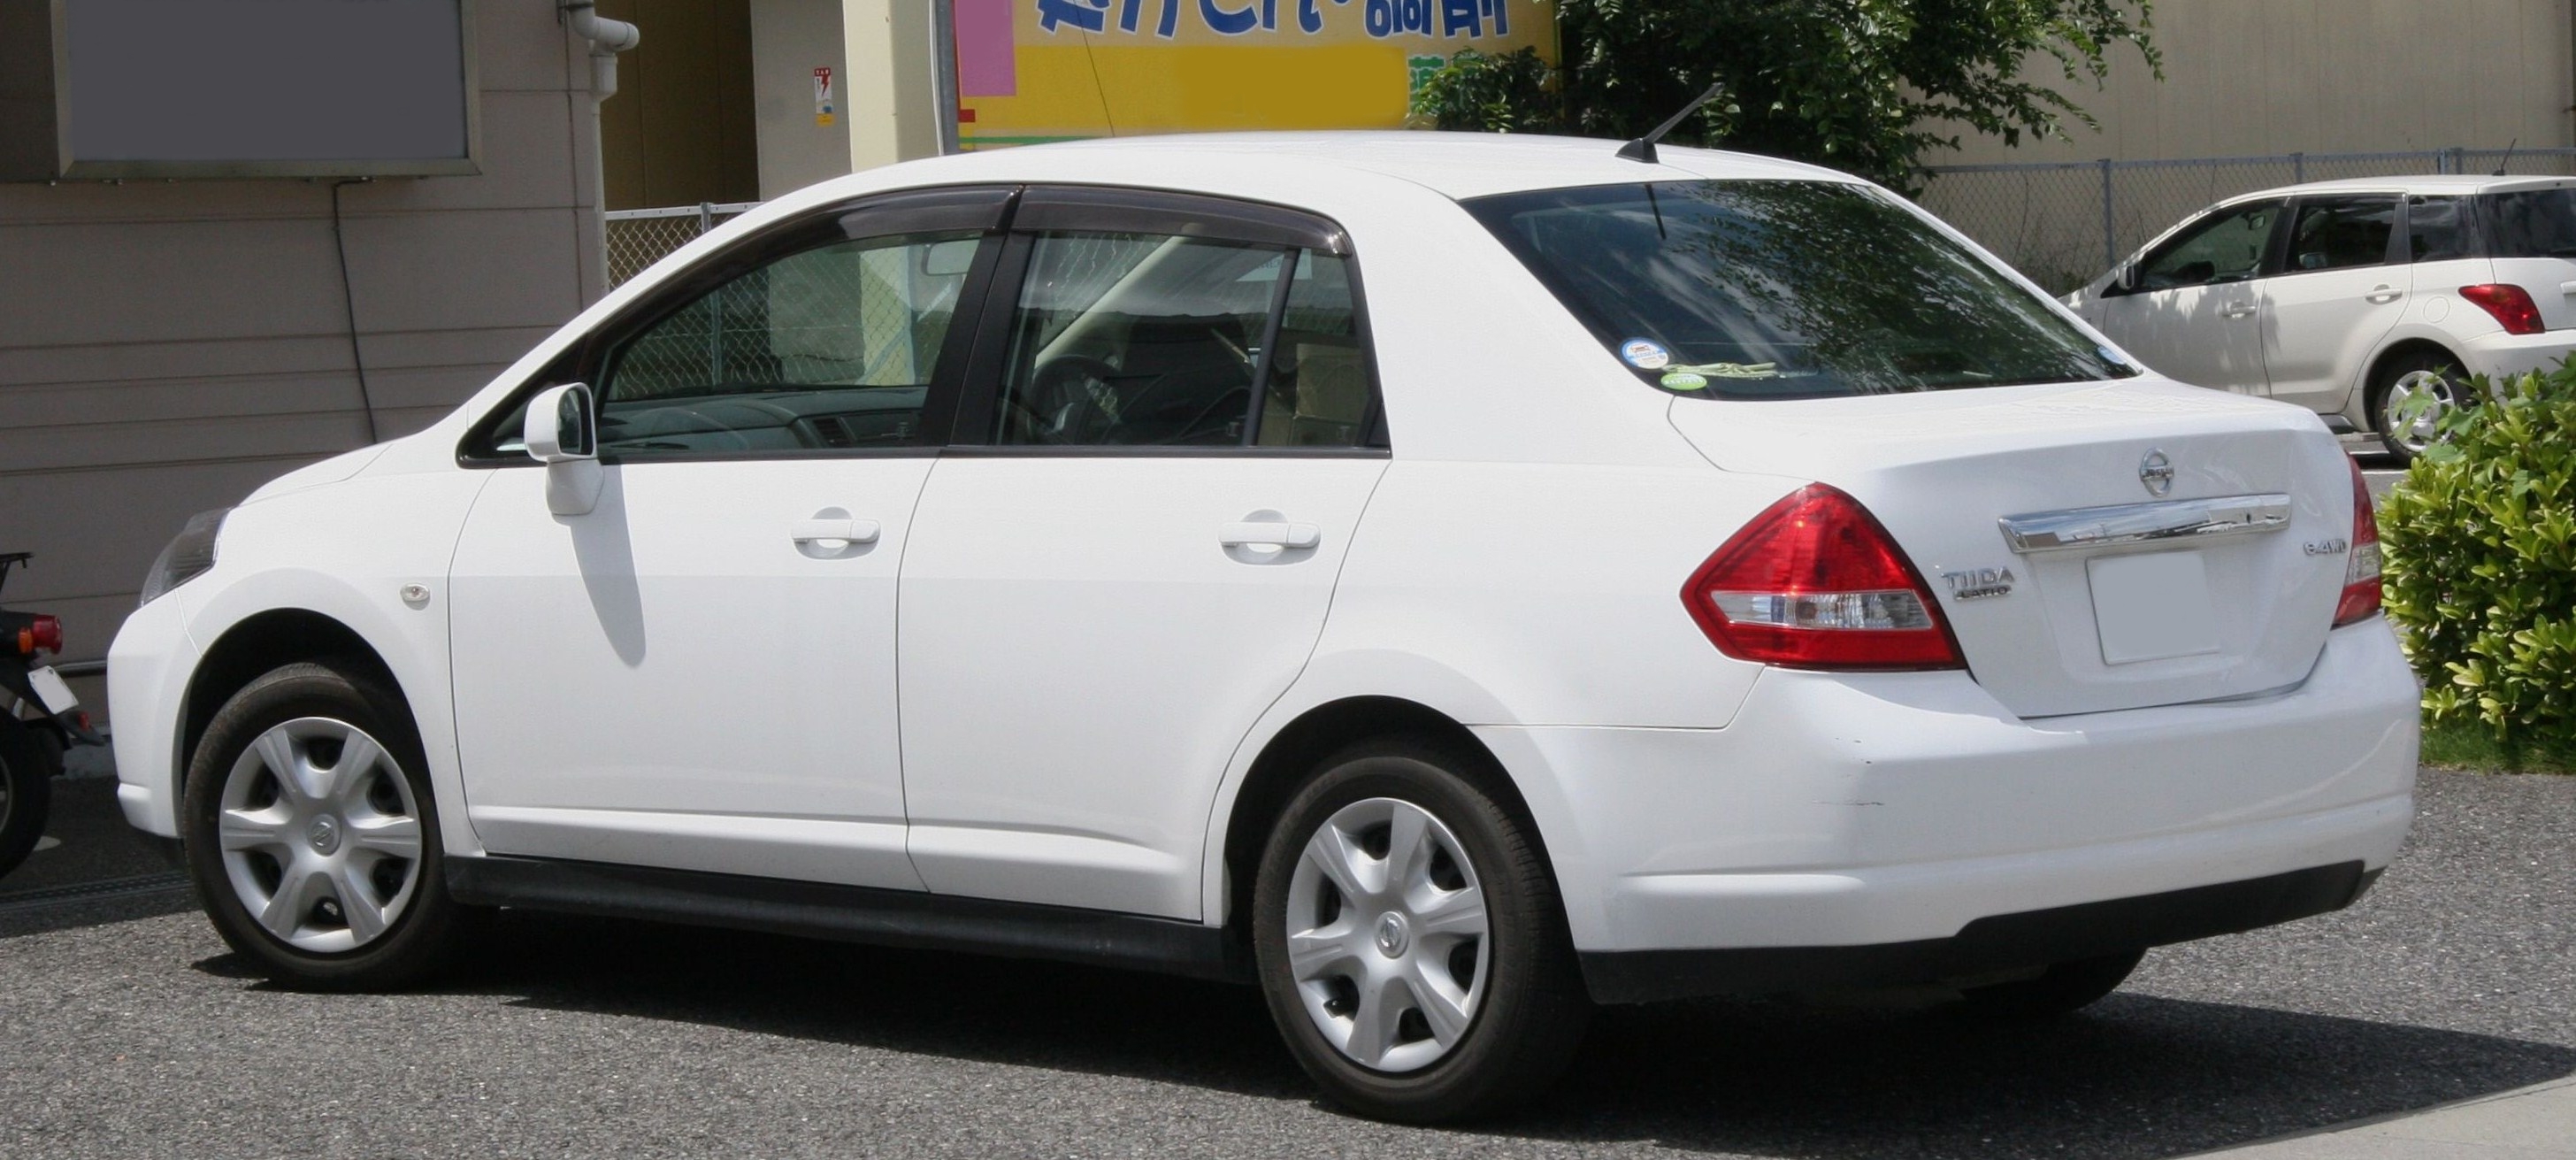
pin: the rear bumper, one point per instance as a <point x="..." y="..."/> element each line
<point x="1847" y="814"/>
<point x="2500" y="355"/>
<point x="1992" y="944"/>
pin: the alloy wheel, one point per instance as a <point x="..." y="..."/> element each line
<point x="2411" y="427"/>
<point x="320" y="835"/>
<point x="1387" y="935"/>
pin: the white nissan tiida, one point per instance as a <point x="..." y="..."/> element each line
<point x="1448" y="582"/>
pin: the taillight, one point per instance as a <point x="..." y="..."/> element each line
<point x="39" y="632"/>
<point x="2509" y="304"/>
<point x="2361" y="588"/>
<point x="1816" y="582"/>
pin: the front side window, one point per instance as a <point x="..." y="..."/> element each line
<point x="827" y="349"/>
<point x="1785" y="289"/>
<point x="2532" y="223"/>
<point x="1159" y="340"/>
<point x="2339" y="233"/>
<point x="2226" y="246"/>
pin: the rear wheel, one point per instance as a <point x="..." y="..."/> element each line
<point x="28" y="763"/>
<point x="313" y="837"/>
<point x="2060" y="990"/>
<point x="1410" y="941"/>
<point x="2410" y="395"/>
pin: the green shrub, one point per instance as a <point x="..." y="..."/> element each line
<point x="2481" y="561"/>
<point x="1510" y="92"/>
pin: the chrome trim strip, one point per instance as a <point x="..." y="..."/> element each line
<point x="2138" y="523"/>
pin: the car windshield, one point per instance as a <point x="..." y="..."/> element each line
<point x="2533" y="223"/>
<point x="1785" y="289"/>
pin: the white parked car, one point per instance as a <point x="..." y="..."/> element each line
<point x="1448" y="581"/>
<point x="2354" y="298"/>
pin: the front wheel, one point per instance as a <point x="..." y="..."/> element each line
<point x="28" y="763"/>
<point x="2409" y="397"/>
<point x="313" y="837"/>
<point x="1410" y="941"/>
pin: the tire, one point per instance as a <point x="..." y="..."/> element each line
<point x="28" y="763"/>
<point x="2063" y="989"/>
<point x="1357" y="1002"/>
<point x="2402" y="378"/>
<point x="335" y="880"/>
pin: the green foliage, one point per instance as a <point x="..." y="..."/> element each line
<point x="2481" y="573"/>
<point x="1861" y="85"/>
<point x="1485" y="92"/>
<point x="2461" y="744"/>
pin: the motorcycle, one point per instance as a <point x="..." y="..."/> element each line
<point x="39" y="721"/>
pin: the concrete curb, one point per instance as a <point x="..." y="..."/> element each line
<point x="2531" y="1123"/>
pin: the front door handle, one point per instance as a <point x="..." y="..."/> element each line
<point x="844" y="530"/>
<point x="1269" y="534"/>
<point x="2237" y="310"/>
<point x="2384" y="294"/>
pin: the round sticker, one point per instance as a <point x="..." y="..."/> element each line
<point x="1684" y="381"/>
<point x="1645" y="354"/>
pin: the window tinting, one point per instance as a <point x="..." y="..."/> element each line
<point x="1318" y="392"/>
<point x="2341" y="232"/>
<point x="1138" y="340"/>
<point x="827" y="349"/>
<point x="2533" y="223"/>
<point x="1786" y="289"/>
<point x="2227" y="246"/>
<point x="2437" y="229"/>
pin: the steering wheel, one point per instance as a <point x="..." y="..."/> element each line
<point x="1066" y="400"/>
<point x="659" y="423"/>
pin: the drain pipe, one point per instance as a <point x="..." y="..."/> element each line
<point x="607" y="38"/>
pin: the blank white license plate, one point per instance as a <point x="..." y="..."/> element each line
<point x="51" y="690"/>
<point x="2152" y="608"/>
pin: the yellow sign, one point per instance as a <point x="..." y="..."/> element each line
<point x="1055" y="70"/>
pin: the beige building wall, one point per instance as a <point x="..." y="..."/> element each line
<point x="789" y="40"/>
<point x="893" y="116"/>
<point x="165" y="347"/>
<point x="2247" y="77"/>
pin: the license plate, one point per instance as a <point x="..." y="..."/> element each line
<point x="2153" y="607"/>
<point x="52" y="692"/>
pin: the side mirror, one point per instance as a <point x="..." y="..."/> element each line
<point x="2124" y="280"/>
<point x="562" y="432"/>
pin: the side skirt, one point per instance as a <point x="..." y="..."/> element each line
<point x="897" y="918"/>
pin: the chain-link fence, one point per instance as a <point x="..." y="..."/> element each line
<point x="2064" y="223"/>
<point x="637" y="238"/>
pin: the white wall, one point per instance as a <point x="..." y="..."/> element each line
<point x="789" y="40"/>
<point x="167" y="346"/>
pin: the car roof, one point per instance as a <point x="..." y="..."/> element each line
<point x="2436" y="183"/>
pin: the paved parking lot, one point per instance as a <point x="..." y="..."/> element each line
<point x="135" y="1036"/>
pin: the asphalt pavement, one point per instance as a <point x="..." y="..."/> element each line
<point x="127" y="1029"/>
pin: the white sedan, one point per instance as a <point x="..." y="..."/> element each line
<point x="1448" y="581"/>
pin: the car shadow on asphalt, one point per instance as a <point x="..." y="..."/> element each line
<point x="2134" y="1076"/>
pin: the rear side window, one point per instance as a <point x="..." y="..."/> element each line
<point x="1784" y="289"/>
<point x="2437" y="229"/>
<point x="2338" y="233"/>
<point x="2532" y="223"/>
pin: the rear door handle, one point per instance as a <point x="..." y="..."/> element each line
<point x="2384" y="294"/>
<point x="2237" y="310"/>
<point x="846" y="531"/>
<point x="1266" y="534"/>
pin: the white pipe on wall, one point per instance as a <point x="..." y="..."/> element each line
<point x="607" y="38"/>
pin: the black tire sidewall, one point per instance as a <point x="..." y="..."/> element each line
<point x="421" y="938"/>
<point x="25" y="765"/>
<point x="1530" y="1018"/>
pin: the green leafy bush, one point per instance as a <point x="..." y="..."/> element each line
<point x="2481" y="546"/>
<point x="1490" y="93"/>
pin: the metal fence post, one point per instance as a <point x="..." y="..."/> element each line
<point x="2298" y="169"/>
<point x="706" y="217"/>
<point x="2110" y="247"/>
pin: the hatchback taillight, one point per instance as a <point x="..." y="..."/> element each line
<point x="2508" y="304"/>
<point x="1815" y="582"/>
<point x="2361" y="586"/>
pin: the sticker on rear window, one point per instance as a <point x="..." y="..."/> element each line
<point x="1684" y="381"/>
<point x="1645" y="354"/>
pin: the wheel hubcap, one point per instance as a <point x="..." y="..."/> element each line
<point x="320" y="834"/>
<point x="1387" y="935"/>
<point x="2412" y="424"/>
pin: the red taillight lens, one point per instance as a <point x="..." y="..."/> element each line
<point x="1815" y="582"/>
<point x="2361" y="588"/>
<point x="42" y="632"/>
<point x="2511" y="305"/>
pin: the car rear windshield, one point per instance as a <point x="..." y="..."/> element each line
<point x="2532" y="223"/>
<point x="1785" y="289"/>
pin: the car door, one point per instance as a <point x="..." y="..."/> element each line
<point x="699" y="673"/>
<point x="2341" y="287"/>
<point x="1161" y="463"/>
<point x="2191" y="306"/>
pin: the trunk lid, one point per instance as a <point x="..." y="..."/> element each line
<point x="2083" y="626"/>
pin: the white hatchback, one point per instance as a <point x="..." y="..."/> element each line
<point x="1447" y="581"/>
<point x="2369" y="301"/>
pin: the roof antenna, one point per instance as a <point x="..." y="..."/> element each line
<point x="1643" y="148"/>
<point x="2508" y="156"/>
